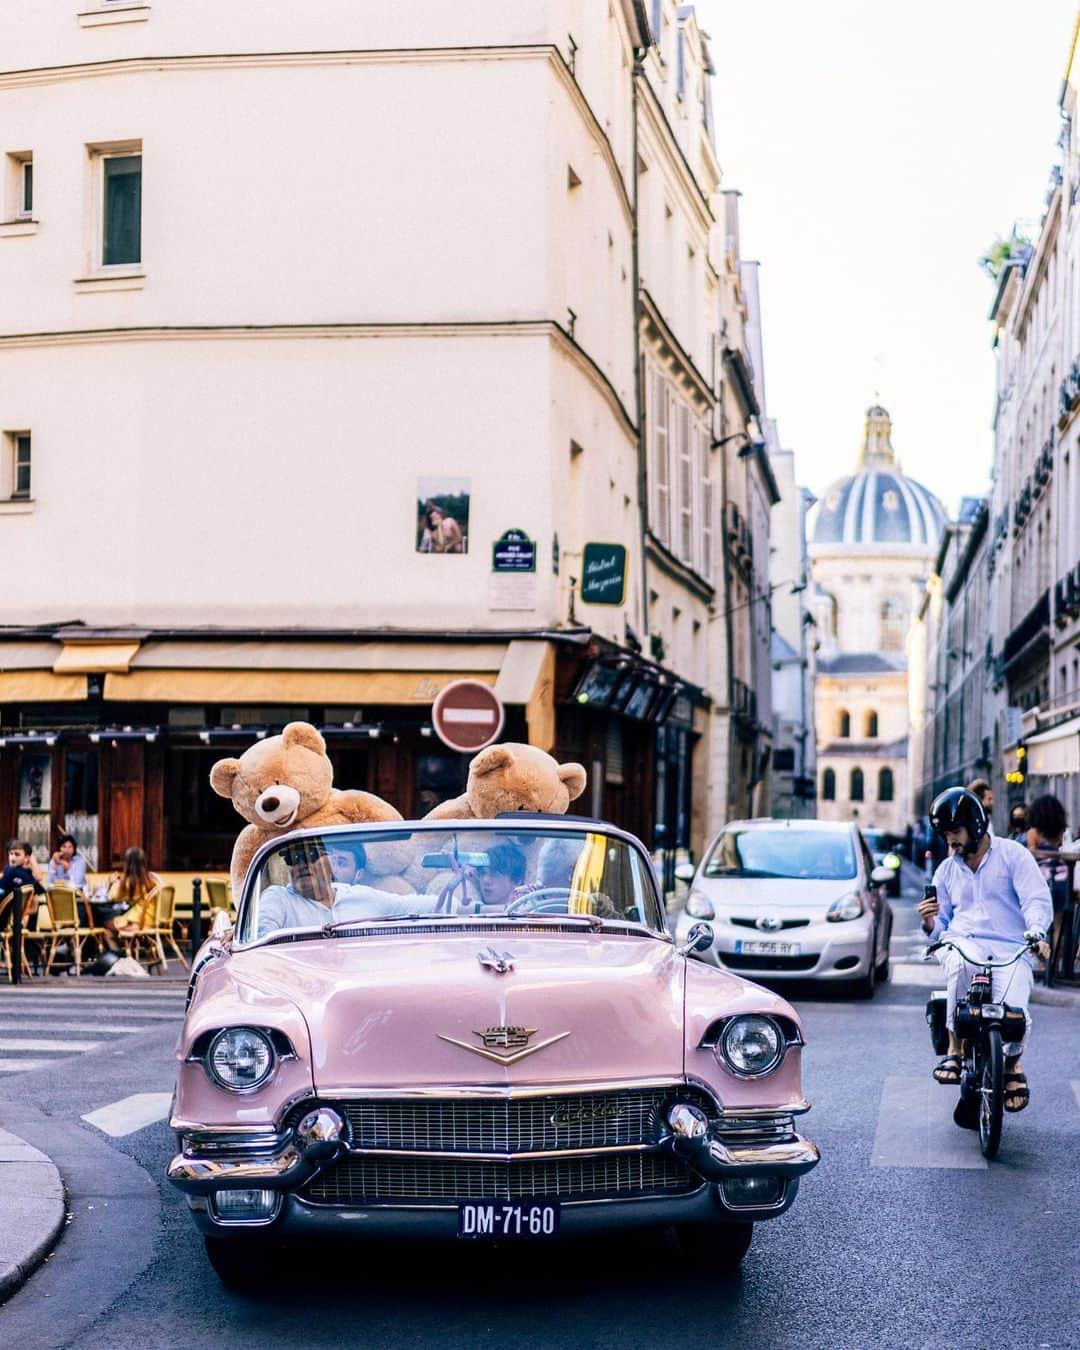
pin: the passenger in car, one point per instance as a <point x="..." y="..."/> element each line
<point x="312" y="898"/>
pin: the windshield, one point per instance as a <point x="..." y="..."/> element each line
<point x="818" y="855"/>
<point x="352" y="877"/>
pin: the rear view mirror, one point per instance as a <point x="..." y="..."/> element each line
<point x="699" y="939"/>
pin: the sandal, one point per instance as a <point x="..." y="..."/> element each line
<point x="1016" y="1090"/>
<point x="947" y="1070"/>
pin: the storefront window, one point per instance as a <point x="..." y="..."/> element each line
<point x="81" y="808"/>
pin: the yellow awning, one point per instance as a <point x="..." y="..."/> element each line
<point x="40" y="686"/>
<point x="284" y="686"/>
<point x="94" y="658"/>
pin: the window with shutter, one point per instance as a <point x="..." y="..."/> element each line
<point x="661" y="467"/>
<point x="706" y="565"/>
<point x="685" y="468"/>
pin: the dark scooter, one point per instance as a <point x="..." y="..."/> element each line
<point x="983" y="1028"/>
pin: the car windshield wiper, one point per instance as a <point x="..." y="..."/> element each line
<point x="592" y="920"/>
<point x="330" y="929"/>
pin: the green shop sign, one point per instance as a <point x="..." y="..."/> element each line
<point x="603" y="574"/>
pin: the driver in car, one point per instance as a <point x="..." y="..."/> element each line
<point x="312" y="898"/>
<point x="990" y="894"/>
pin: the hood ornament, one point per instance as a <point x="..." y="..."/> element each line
<point x="769" y="924"/>
<point x="504" y="1045"/>
<point x="500" y="962"/>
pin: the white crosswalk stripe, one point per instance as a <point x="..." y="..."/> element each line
<point x="42" y="1024"/>
<point x="130" y="1113"/>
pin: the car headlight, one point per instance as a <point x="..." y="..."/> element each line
<point x="751" y="1045"/>
<point x="847" y="907"/>
<point x="240" y="1058"/>
<point x="699" y="906"/>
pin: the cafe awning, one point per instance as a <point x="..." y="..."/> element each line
<point x="1056" y="751"/>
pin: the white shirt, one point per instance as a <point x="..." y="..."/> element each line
<point x="282" y="907"/>
<point x="1004" y="896"/>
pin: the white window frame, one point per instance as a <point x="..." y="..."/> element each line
<point x="683" y="460"/>
<point x="705" y="521"/>
<point x="10" y="467"/>
<point x="660" y="454"/>
<point x="97" y="267"/>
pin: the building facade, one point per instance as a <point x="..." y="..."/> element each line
<point x="314" y="458"/>
<point x="875" y="536"/>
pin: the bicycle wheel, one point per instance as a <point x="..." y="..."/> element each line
<point x="991" y="1093"/>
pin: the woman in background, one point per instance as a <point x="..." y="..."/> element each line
<point x="136" y="887"/>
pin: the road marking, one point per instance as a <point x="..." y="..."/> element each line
<point x="915" y="1127"/>
<point x="18" y="1065"/>
<point x="130" y="1113"/>
<point x="111" y="989"/>
<point x="123" y="1010"/>
<point x="30" y="1025"/>
<point x="35" y="1043"/>
<point x="1076" y="1090"/>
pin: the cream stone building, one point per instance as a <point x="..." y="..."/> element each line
<point x="875" y="536"/>
<point x="331" y="338"/>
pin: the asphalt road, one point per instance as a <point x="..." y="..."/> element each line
<point x="903" y="1236"/>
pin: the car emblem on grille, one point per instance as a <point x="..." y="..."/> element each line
<point x="505" y="1044"/>
<point x="500" y="962"/>
<point x="587" y="1115"/>
<point x="769" y="923"/>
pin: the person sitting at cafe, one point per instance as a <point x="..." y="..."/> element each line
<point x="312" y="898"/>
<point x="22" y="869"/>
<point x="67" y="866"/>
<point x="137" y="888"/>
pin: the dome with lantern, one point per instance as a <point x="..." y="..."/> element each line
<point x="878" y="507"/>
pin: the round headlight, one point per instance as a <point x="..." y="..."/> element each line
<point x="751" y="1045"/>
<point x="240" y="1058"/>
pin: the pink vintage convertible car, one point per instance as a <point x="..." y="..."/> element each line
<point x="502" y="1043"/>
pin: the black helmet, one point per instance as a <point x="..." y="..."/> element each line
<point x="956" y="809"/>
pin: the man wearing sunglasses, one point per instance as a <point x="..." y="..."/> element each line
<point x="312" y="898"/>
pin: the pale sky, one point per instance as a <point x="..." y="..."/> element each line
<point x="880" y="147"/>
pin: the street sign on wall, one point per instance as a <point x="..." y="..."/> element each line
<point x="513" y="551"/>
<point x="603" y="574"/>
<point x="467" y="715"/>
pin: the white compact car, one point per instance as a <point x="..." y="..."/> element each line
<point x="793" y="899"/>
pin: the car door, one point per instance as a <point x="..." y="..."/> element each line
<point x="871" y="893"/>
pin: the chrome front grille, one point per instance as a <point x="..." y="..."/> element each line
<point x="520" y="1125"/>
<point x="754" y="1129"/>
<point x="370" y="1180"/>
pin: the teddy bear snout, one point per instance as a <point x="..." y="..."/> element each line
<point x="278" y="805"/>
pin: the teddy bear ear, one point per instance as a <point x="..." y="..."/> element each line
<point x="303" y="734"/>
<point x="487" y="761"/>
<point x="573" y="775"/>
<point x="222" y="775"/>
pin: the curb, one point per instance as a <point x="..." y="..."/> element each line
<point x="926" y="975"/>
<point x="32" y="1210"/>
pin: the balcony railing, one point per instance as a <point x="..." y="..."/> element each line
<point x="1035" y="621"/>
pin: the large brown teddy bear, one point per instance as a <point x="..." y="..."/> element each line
<point x="282" y="783"/>
<point x="513" y="777"/>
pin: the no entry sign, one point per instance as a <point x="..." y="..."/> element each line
<point x="467" y="715"/>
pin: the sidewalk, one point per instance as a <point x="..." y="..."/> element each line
<point x="31" y="1210"/>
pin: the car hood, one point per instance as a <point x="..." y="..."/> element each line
<point x="762" y="895"/>
<point x="407" y="1011"/>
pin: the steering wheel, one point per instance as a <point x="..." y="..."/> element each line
<point x="545" y="900"/>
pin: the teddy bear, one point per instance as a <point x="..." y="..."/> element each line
<point x="284" y="782"/>
<point x="513" y="777"/>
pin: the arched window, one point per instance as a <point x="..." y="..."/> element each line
<point x="892" y="625"/>
<point x="870" y="726"/>
<point x="885" y="785"/>
<point x="843" y="724"/>
<point x="856" y="793"/>
<point x="828" y="786"/>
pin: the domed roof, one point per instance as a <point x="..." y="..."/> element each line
<point x="878" y="504"/>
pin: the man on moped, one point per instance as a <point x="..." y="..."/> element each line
<point x="991" y="896"/>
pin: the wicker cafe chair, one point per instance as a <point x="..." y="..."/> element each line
<point x="66" y="925"/>
<point x="7" y="912"/>
<point x="156" y="930"/>
<point x="218" y="895"/>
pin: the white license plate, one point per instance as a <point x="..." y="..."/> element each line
<point x="752" y="948"/>
<point x="500" y="1219"/>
